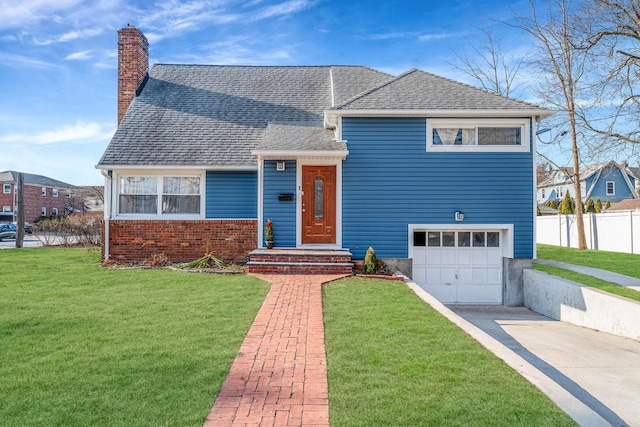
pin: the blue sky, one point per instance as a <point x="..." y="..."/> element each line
<point x="58" y="65"/>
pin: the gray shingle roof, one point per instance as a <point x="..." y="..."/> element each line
<point x="419" y="90"/>
<point x="216" y="115"/>
<point x="299" y="136"/>
<point x="32" y="179"/>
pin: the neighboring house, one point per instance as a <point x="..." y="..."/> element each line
<point x="92" y="197"/>
<point x="625" y="205"/>
<point x="605" y="181"/>
<point x="340" y="158"/>
<point x="43" y="196"/>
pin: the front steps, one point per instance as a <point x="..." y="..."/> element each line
<point x="300" y="261"/>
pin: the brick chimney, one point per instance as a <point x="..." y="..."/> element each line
<point x="133" y="65"/>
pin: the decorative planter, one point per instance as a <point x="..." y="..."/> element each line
<point x="269" y="244"/>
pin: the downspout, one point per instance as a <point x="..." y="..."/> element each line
<point x="534" y="150"/>
<point x="260" y="201"/>
<point x="107" y="212"/>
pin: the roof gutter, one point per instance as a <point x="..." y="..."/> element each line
<point x="331" y="116"/>
<point x="297" y="154"/>
<point x="176" y="167"/>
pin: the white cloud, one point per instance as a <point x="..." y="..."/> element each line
<point x="81" y="132"/>
<point x="388" y="36"/>
<point x="69" y="36"/>
<point x="19" y="13"/>
<point x="238" y="50"/>
<point x="285" y="8"/>
<point x="79" y="56"/>
<point x="173" y="17"/>
<point x="15" y="60"/>
<point x="429" y="37"/>
<point x="9" y="38"/>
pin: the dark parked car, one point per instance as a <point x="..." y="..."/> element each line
<point x="7" y="231"/>
<point x="27" y="227"/>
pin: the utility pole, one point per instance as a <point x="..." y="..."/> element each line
<point x="20" y="218"/>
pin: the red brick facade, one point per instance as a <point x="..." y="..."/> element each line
<point x="181" y="240"/>
<point x="133" y="65"/>
<point x="35" y="200"/>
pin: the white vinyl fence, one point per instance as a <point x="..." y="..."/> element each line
<point x="614" y="232"/>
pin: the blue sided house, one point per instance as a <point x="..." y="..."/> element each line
<point x="437" y="176"/>
<point x="605" y="181"/>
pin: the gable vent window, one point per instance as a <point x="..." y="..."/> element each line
<point x="611" y="188"/>
<point x="159" y="195"/>
<point x="477" y="135"/>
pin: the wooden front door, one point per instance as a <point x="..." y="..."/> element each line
<point x="318" y="204"/>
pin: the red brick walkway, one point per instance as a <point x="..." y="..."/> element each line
<point x="279" y="377"/>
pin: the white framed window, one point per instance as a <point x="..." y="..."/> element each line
<point x="54" y="211"/>
<point x="6" y="209"/>
<point x="54" y="192"/>
<point x="44" y="191"/>
<point x="43" y="212"/>
<point x="611" y="188"/>
<point x="6" y="188"/>
<point x="160" y="195"/>
<point x="463" y="135"/>
<point x="543" y="193"/>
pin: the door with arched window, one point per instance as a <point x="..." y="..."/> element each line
<point x="318" y="204"/>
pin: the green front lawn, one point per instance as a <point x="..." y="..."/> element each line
<point x="617" y="262"/>
<point x="82" y="345"/>
<point x="394" y="361"/>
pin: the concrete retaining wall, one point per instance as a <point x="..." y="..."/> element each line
<point x="571" y="302"/>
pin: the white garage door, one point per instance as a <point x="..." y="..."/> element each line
<point x="459" y="266"/>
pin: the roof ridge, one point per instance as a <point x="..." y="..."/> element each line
<point x="436" y="76"/>
<point x="375" y="88"/>
<point x="266" y="66"/>
<point x="499" y="95"/>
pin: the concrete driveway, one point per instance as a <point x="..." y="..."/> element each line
<point x="591" y="375"/>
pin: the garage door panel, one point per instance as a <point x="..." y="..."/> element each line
<point x="419" y="274"/>
<point x="463" y="256"/>
<point x="487" y="294"/>
<point x="433" y="276"/>
<point x="493" y="275"/>
<point x="434" y="257"/>
<point x="458" y="269"/>
<point x="448" y="275"/>
<point x="479" y="257"/>
<point x="448" y="256"/>
<point x="465" y="274"/>
<point x="479" y="276"/>
<point x="419" y="256"/>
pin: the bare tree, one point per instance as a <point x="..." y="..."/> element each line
<point x="489" y="65"/>
<point x="614" y="46"/>
<point x="562" y="66"/>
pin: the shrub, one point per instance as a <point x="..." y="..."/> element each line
<point x="72" y="230"/>
<point x="591" y="207"/>
<point x="371" y="262"/>
<point x="598" y="205"/>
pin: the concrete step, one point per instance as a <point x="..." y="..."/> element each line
<point x="297" y="261"/>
